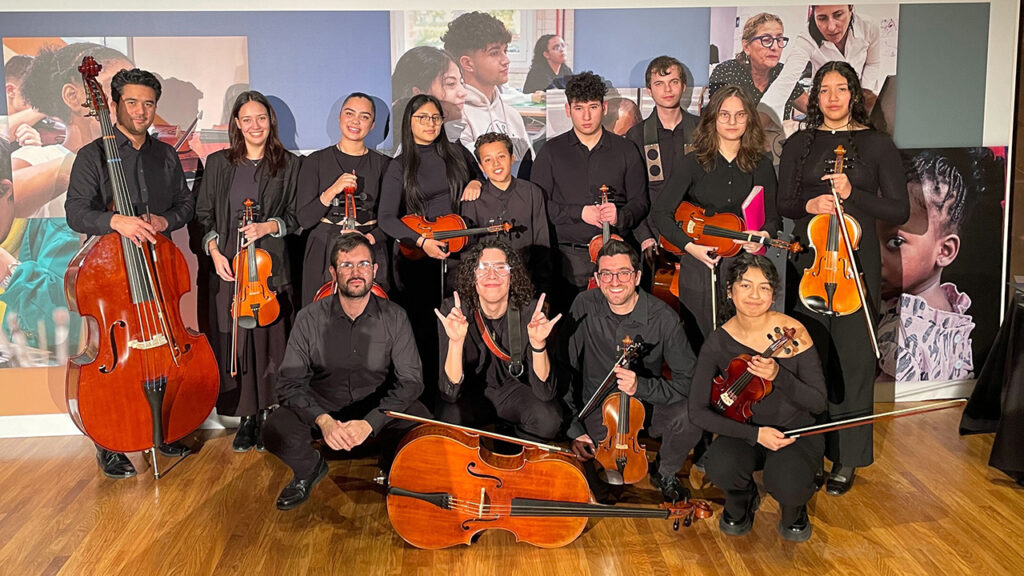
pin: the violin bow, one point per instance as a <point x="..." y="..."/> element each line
<point x="483" y="433"/>
<point x="863" y="420"/>
<point x="858" y="281"/>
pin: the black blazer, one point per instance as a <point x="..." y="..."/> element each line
<point x="277" y="200"/>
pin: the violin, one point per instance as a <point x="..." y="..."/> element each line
<point x="719" y="231"/>
<point x="145" y="378"/>
<point x="735" y="392"/>
<point x="445" y="488"/>
<point x="348" y="226"/>
<point x="621" y="454"/>
<point x="451" y="228"/>
<point x="254" y="304"/>
<point x="598" y="242"/>
<point x="832" y="285"/>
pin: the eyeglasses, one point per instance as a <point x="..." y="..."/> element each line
<point x="428" y="120"/>
<point x="605" y="276"/>
<point x="500" y="269"/>
<point x="767" y="40"/>
<point x="726" y="118"/>
<point x="361" y="265"/>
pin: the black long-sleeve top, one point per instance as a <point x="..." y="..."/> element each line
<point x="595" y="332"/>
<point x="90" y="193"/>
<point x="435" y="195"/>
<point x="333" y="361"/>
<point x="672" y="147"/>
<point x="723" y="189"/>
<point x="571" y="177"/>
<point x="875" y="172"/>
<point x="321" y="169"/>
<point x="798" y="393"/>
<point x="480" y="367"/>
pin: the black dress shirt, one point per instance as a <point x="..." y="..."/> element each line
<point x="321" y="169"/>
<point x="595" y="332"/>
<point x="571" y="177"/>
<point x="333" y="361"/>
<point x="723" y="189"/>
<point x="480" y="367"/>
<point x="798" y="393"/>
<point x="90" y="193"/>
<point x="672" y="147"/>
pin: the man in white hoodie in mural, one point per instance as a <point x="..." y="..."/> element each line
<point x="479" y="42"/>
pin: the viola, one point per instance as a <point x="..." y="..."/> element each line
<point x="254" y="303"/>
<point x="734" y="393"/>
<point x="445" y="488"/>
<point x="145" y="378"/>
<point x="719" y="231"/>
<point x="451" y="228"/>
<point x="832" y="285"/>
<point x="621" y="454"/>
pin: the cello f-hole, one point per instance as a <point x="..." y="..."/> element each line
<point x="472" y="465"/>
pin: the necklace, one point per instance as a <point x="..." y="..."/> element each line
<point x="833" y="129"/>
<point x="255" y="162"/>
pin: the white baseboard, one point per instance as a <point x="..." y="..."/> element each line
<point x="933" y="390"/>
<point x="36" y="425"/>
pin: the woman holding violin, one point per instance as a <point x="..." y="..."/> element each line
<point x="872" y="188"/>
<point x="797" y="394"/>
<point x="427" y="179"/>
<point x="255" y="167"/>
<point x="330" y="179"/>
<point x="727" y="161"/>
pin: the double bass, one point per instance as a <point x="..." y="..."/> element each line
<point x="445" y="488"/>
<point x="145" y="378"/>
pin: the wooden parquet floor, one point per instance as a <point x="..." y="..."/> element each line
<point x="929" y="505"/>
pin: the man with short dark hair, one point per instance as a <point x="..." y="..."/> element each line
<point x="350" y="357"/>
<point x="155" y="182"/>
<point x="572" y="168"/>
<point x="597" y="324"/>
<point x="665" y="136"/>
<point x="479" y="42"/>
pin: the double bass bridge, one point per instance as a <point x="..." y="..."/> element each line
<point x="155" y="341"/>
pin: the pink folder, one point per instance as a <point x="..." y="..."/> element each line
<point x="753" y="209"/>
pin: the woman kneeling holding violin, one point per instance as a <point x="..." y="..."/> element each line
<point x="777" y="385"/>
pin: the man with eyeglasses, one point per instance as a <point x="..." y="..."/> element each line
<point x="494" y="355"/>
<point x="664" y="136"/>
<point x="349" y="358"/>
<point x="597" y="324"/>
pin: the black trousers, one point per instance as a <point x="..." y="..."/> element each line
<point x="533" y="418"/>
<point x="288" y="438"/>
<point x="670" y="422"/>
<point x="574" y="271"/>
<point x="788" y="472"/>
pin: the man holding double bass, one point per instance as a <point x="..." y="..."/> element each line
<point x="156" y="183"/>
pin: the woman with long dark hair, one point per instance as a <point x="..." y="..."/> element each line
<point x="426" y="179"/>
<point x="429" y="70"/>
<point x="256" y="166"/>
<point x="798" y="396"/>
<point x="548" y="63"/>
<point x="727" y="161"/>
<point x="873" y="188"/>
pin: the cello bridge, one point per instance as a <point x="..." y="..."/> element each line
<point x="156" y="341"/>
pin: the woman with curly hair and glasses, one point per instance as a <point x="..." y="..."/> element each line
<point x="493" y="346"/>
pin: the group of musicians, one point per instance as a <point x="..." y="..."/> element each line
<point x="506" y="332"/>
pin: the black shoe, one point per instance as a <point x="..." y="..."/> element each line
<point x="297" y="491"/>
<point x="840" y="480"/>
<point x="671" y="489"/>
<point x="261" y="419"/>
<point x="740" y="526"/>
<point x="245" y="436"/>
<point x="114" y="464"/>
<point x="174" y="449"/>
<point x="799" y="530"/>
<point x="819" y="477"/>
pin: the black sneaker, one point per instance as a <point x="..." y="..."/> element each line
<point x="799" y="530"/>
<point x="114" y="464"/>
<point x="740" y="526"/>
<point x="297" y="491"/>
<point x="245" y="436"/>
<point x="671" y="489"/>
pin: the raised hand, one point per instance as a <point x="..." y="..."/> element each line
<point x="540" y="326"/>
<point x="455" y="323"/>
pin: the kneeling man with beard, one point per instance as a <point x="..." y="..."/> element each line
<point x="350" y="357"/>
